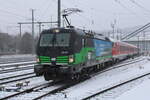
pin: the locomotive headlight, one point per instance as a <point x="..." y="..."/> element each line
<point x="71" y="59"/>
<point x="37" y="59"/>
<point x="56" y="31"/>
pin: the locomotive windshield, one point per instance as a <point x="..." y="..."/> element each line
<point x="56" y="40"/>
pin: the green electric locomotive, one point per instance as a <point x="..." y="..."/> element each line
<point x="70" y="53"/>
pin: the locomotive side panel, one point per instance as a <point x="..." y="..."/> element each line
<point x="103" y="49"/>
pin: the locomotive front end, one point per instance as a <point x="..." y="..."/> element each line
<point x="55" y="53"/>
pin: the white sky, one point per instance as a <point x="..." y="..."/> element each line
<point x="128" y="13"/>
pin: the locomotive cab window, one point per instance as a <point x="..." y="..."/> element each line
<point x="46" y="40"/>
<point x="57" y="40"/>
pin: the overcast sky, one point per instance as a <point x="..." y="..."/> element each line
<point x="96" y="15"/>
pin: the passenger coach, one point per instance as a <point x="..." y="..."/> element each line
<point x="122" y="50"/>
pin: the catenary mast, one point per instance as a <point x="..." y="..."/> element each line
<point x="59" y="13"/>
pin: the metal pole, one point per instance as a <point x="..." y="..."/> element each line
<point x="20" y="29"/>
<point x="138" y="46"/>
<point x="144" y="42"/>
<point x="33" y="30"/>
<point x="113" y="31"/>
<point x="51" y="21"/>
<point x="40" y="27"/>
<point x="33" y="23"/>
<point x="59" y="13"/>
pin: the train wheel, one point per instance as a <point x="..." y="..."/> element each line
<point x="95" y="68"/>
<point x="75" y="77"/>
<point x="72" y="77"/>
<point x="37" y="74"/>
<point x="46" y="76"/>
<point x="85" y="76"/>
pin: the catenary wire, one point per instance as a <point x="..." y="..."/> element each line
<point x="139" y="5"/>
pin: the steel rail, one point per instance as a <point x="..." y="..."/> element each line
<point x="16" y="69"/>
<point x="16" y="64"/>
<point x="75" y="83"/>
<point x="67" y="85"/>
<point x="27" y="90"/>
<point x="3" y="60"/>
<point x="119" y="65"/>
<point x="115" y="86"/>
<point x="14" y="80"/>
<point x="16" y="76"/>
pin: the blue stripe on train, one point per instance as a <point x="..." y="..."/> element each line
<point x="102" y="48"/>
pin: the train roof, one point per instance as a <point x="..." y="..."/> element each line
<point x="112" y="40"/>
<point x="63" y="30"/>
<point x="126" y="44"/>
<point x="78" y="31"/>
<point x="122" y="43"/>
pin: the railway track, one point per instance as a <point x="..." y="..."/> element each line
<point x="120" y="65"/>
<point x="75" y="83"/>
<point x="12" y="67"/>
<point x="130" y="60"/>
<point x="17" y="78"/>
<point x="34" y="88"/>
<point x="65" y="86"/>
<point x="117" y="85"/>
<point x="59" y="89"/>
<point x="6" y="78"/>
<point x="15" y="61"/>
<point x="16" y="69"/>
<point x="42" y="86"/>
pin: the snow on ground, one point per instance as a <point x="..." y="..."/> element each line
<point x="36" y="94"/>
<point x="32" y="82"/>
<point x="17" y="58"/>
<point x="141" y="92"/>
<point x="16" y="73"/>
<point x="16" y="67"/>
<point x="114" y="93"/>
<point x="103" y="80"/>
